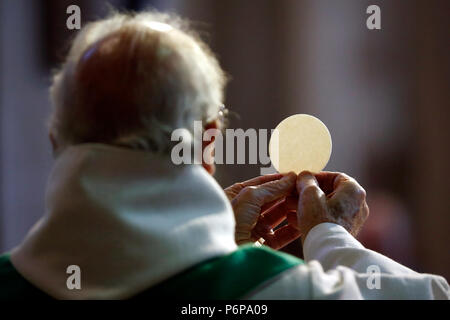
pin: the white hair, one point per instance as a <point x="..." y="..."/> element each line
<point x="131" y="79"/>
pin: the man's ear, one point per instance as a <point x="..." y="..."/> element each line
<point x="211" y="168"/>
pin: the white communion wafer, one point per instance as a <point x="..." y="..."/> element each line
<point x="300" y="142"/>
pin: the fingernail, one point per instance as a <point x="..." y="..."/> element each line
<point x="305" y="175"/>
<point x="305" y="178"/>
<point x="290" y="177"/>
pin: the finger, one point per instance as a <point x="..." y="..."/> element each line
<point x="348" y="197"/>
<point x="281" y="237"/>
<point x="271" y="219"/>
<point x="307" y="184"/>
<point x="312" y="200"/>
<point x="247" y="204"/>
<point x="292" y="220"/>
<point x="256" y="235"/>
<point x="276" y="214"/>
<point x="326" y="180"/>
<point x="269" y="206"/>
<point x="234" y="189"/>
<point x="365" y="211"/>
<point x="359" y="219"/>
<point x="262" y="179"/>
<point x="274" y="190"/>
<point x="291" y="203"/>
<point x="346" y="186"/>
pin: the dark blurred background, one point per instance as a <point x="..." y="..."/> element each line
<point x="384" y="95"/>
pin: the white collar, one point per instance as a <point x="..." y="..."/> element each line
<point x="129" y="219"/>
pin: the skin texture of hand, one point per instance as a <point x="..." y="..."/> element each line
<point x="330" y="197"/>
<point x="260" y="205"/>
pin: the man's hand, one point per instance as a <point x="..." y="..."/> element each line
<point x="330" y="197"/>
<point x="261" y="204"/>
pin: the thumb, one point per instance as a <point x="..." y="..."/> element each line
<point x="274" y="190"/>
<point x="305" y="181"/>
<point x="312" y="199"/>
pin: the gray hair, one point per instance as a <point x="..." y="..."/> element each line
<point x="131" y="79"/>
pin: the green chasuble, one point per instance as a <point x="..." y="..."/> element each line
<point x="232" y="276"/>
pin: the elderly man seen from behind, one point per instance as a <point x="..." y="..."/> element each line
<point x="138" y="226"/>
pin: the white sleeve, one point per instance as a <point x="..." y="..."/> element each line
<point x="339" y="267"/>
<point x="333" y="246"/>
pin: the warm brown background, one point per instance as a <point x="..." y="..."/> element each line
<point x="384" y="95"/>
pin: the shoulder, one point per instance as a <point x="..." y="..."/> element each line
<point x="231" y="276"/>
<point x="256" y="257"/>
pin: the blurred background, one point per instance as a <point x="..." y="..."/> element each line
<point x="384" y="95"/>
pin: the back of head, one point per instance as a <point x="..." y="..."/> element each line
<point x="131" y="80"/>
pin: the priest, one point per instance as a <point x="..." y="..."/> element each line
<point x="123" y="221"/>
